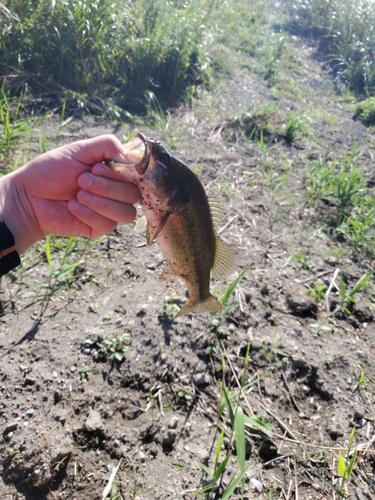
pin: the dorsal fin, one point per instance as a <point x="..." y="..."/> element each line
<point x="224" y="260"/>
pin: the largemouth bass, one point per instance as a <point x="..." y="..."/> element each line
<point x="180" y="217"/>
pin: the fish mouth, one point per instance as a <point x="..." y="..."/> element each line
<point x="137" y="151"/>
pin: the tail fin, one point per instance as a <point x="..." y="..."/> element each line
<point x="211" y="304"/>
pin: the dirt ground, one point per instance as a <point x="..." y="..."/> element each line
<point x="68" y="415"/>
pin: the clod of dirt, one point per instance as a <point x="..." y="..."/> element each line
<point x="93" y="422"/>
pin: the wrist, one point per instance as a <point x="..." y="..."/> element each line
<point x="12" y="211"/>
<point x="9" y="258"/>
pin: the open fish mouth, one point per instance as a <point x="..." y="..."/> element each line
<point x="137" y="152"/>
<point x="135" y="149"/>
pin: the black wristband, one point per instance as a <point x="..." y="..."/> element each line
<point x="9" y="258"/>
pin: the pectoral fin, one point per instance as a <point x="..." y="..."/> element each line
<point x="162" y="223"/>
<point x="167" y="274"/>
<point x="224" y="260"/>
<point x="142" y="224"/>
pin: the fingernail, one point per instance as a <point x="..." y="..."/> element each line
<point x="84" y="180"/>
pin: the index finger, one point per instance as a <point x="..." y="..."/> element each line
<point x="96" y="150"/>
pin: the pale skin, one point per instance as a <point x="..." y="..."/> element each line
<point x="68" y="192"/>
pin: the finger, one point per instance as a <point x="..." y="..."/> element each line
<point x="110" y="189"/>
<point x="110" y="209"/>
<point x="93" y="224"/>
<point x="103" y="171"/>
<point x="96" y="150"/>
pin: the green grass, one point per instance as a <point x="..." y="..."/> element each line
<point x="113" y="50"/>
<point x="344" y="30"/>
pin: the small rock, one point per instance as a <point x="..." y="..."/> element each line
<point x="86" y="350"/>
<point x="12" y="426"/>
<point x="30" y="412"/>
<point x="57" y="396"/>
<point x="200" y="379"/>
<point x="179" y="340"/>
<point x="93" y="422"/>
<point x="142" y="456"/>
<point x="29" y="381"/>
<point x="173" y="423"/>
<point x="256" y="484"/>
<point x="73" y="368"/>
<point x="154" y="451"/>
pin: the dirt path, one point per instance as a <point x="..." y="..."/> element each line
<point x="68" y="415"/>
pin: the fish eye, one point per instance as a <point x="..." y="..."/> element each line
<point x="165" y="159"/>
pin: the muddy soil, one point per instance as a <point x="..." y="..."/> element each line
<point x="68" y="415"/>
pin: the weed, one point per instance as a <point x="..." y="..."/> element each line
<point x="171" y="307"/>
<point x="295" y="126"/>
<point x="12" y="126"/>
<point x="319" y="327"/>
<point x="228" y="304"/>
<point x="84" y="373"/>
<point x="345" y="466"/>
<point x="317" y="291"/>
<point x="115" y="348"/>
<point x="365" y="111"/>
<point x="299" y="261"/>
<point x="269" y="351"/>
<point x="348" y="296"/>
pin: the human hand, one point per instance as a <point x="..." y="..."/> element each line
<point x="68" y="192"/>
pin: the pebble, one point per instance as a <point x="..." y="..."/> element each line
<point x="173" y="423"/>
<point x="30" y="412"/>
<point x="257" y="484"/>
<point x="12" y="426"/>
<point x="73" y="368"/>
<point x="200" y="379"/>
<point x="142" y="456"/>
<point x="57" y="396"/>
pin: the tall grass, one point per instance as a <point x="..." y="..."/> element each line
<point x="107" y="49"/>
<point x="346" y="36"/>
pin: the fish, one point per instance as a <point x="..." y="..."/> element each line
<point x="180" y="217"/>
